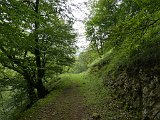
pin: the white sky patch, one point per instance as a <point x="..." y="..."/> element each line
<point x="80" y="12"/>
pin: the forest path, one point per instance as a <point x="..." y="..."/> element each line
<point x="67" y="106"/>
<point x="74" y="97"/>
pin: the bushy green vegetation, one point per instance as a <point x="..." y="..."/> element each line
<point x="13" y="96"/>
<point x="129" y="28"/>
<point x="83" y="61"/>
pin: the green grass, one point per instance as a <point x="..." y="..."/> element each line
<point x="57" y="88"/>
<point x="90" y="86"/>
<point x="40" y="103"/>
<point x="96" y="95"/>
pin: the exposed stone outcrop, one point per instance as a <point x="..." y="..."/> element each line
<point x="139" y="92"/>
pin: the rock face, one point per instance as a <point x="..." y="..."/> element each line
<point x="139" y="93"/>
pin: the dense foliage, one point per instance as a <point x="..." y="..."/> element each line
<point x="126" y="34"/>
<point x="37" y="40"/>
<point x="83" y="60"/>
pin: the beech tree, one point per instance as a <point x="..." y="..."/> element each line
<point x="34" y="39"/>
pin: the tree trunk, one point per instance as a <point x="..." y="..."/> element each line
<point x="41" y="90"/>
<point x="40" y="70"/>
<point x="30" y="90"/>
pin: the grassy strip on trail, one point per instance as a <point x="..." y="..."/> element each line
<point x="96" y="94"/>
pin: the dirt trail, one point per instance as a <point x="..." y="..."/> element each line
<point x="68" y="106"/>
